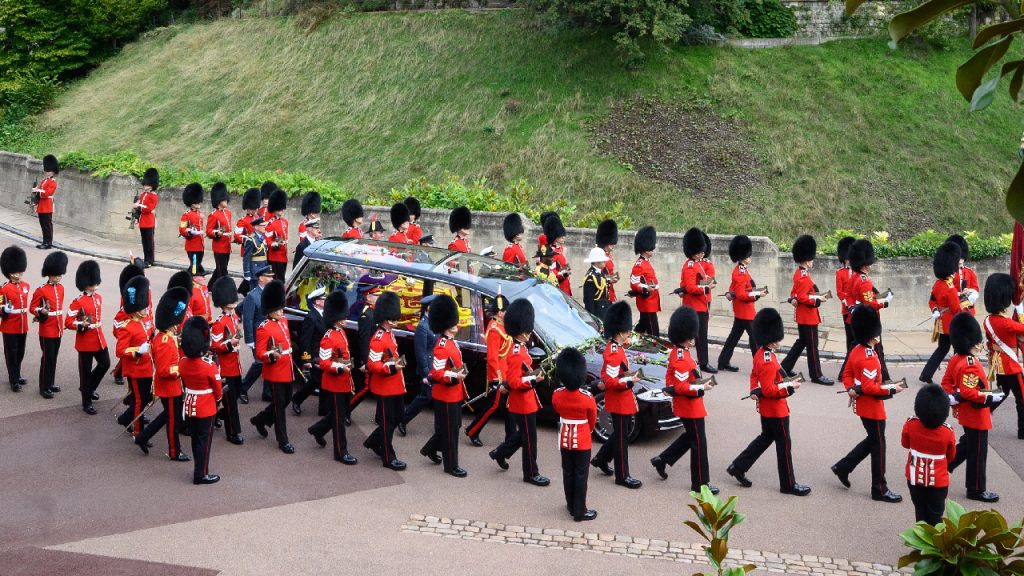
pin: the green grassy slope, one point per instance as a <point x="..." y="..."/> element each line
<point x="851" y="134"/>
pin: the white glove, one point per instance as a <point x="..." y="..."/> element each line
<point x="887" y="299"/>
<point x="144" y="349"/>
<point x="935" y="314"/>
<point x="972" y="296"/>
<point x="998" y="397"/>
<point x="1020" y="308"/>
<point x="8" y="309"/>
<point x="251" y="345"/>
<point x="952" y="400"/>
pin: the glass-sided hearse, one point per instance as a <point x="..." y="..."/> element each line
<point x="416" y="271"/>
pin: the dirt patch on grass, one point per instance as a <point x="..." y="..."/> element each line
<point x="691" y="148"/>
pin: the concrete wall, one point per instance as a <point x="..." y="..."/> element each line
<point x="99" y="206"/>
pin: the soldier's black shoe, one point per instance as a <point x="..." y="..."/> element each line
<point x="208" y="479"/>
<point x="22" y="381"/>
<point x="729" y="368"/>
<point x="181" y="457"/>
<point x="659" y="465"/>
<point x="537" y="480"/>
<point x="401" y="429"/>
<point x="55" y="389"/>
<point x="287" y="448"/>
<point x="144" y="446"/>
<point x="89" y="409"/>
<point x="924" y="380"/>
<point x="796" y="490"/>
<point x="376" y="449"/>
<point x="236" y="439"/>
<point x="320" y="440"/>
<point x="243" y="398"/>
<point x="348" y="459"/>
<point x="888" y="496"/>
<point x="714" y="489"/>
<point x="844" y="477"/>
<point x="16" y="387"/>
<point x="788" y="373"/>
<point x="588" y="515"/>
<point x="260" y="427"/>
<point x="396" y="465"/>
<point x="119" y="381"/>
<point x="630" y="482"/>
<point x="218" y="423"/>
<point x="739" y="476"/>
<point x="432" y="456"/>
<point x="824" y="381"/>
<point x="475" y="441"/>
<point x="297" y="408"/>
<point x="46" y="394"/>
<point x="602" y="466"/>
<point x="708" y="369"/>
<point x="458" y="472"/>
<point x="984" y="496"/>
<point x="502" y="463"/>
<point x="95" y="396"/>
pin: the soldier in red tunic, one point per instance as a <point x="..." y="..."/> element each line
<point x="965" y="280"/>
<point x="219" y="230"/>
<point x="577" y="415"/>
<point x="499" y="346"/>
<point x="266" y="190"/>
<point x="274" y="348"/>
<point x="415" y="232"/>
<point x="555" y="234"/>
<point x="861" y="290"/>
<point x="945" y="303"/>
<point x="310" y="208"/>
<point x="14" y="311"/>
<point x="146" y="206"/>
<point x="85" y="317"/>
<point x="843" y="276"/>
<point x="460" y="222"/>
<point x="335" y="361"/>
<point x="134" y="350"/>
<point x="513" y="230"/>
<point x="225" y="339"/>
<point x="1003" y="332"/>
<point x="183" y="279"/>
<point x="806" y="298"/>
<point x="448" y="375"/>
<point x="863" y="381"/>
<point x="770" y="392"/>
<point x="190" y="227"/>
<point x="695" y="285"/>
<point x="932" y="445"/>
<point x="200" y="304"/>
<point x="47" y="307"/>
<point x="743" y="292"/>
<point x="643" y="282"/>
<point x="203" y="390"/>
<point x="682" y="384"/>
<point x="619" y="400"/>
<point x="45" y="192"/>
<point x="387" y="381"/>
<point x="244" y="227"/>
<point x="277" y="234"/>
<point x="605" y="238"/>
<point x="352" y="214"/>
<point x="965" y="380"/>
<point x="400" y="220"/>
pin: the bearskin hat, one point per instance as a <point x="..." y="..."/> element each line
<point x="571" y="368"/>
<point x="804" y="249"/>
<point x="683" y="325"/>
<point x="388" y="307"/>
<point x="223" y="292"/>
<point x="278" y="201"/>
<point x="460" y="219"/>
<point x="414" y="207"/>
<point x="965" y="249"/>
<point x="195" y="337"/>
<point x="272" y="297"/>
<point x="13" y="261"/>
<point x="50" y="164"/>
<point x="999" y="291"/>
<point x="946" y="261"/>
<point x="88" y="274"/>
<point x="865" y="323"/>
<point x="443" y="314"/>
<point x="170" y="310"/>
<point x="519" y="318"/>
<point x="192" y="194"/>
<point x="512" y="226"/>
<point x="251" y="199"/>
<point x="693" y="242"/>
<point x="181" y="278"/>
<point x="618" y="319"/>
<point x="545" y="215"/>
<point x="553" y="228"/>
<point x="399" y="215"/>
<point x="127" y="273"/>
<point x="767" y="327"/>
<point x="843" y="248"/>
<point x="861" y="254"/>
<point x="931" y="406"/>
<point x="151" y="178"/>
<point x="740" y="248"/>
<point x="607" y="233"/>
<point x="707" y="244"/>
<point x="351" y="210"/>
<point x="55" y="264"/>
<point x="646" y="240"/>
<point x="135" y="294"/>
<point x="497" y="304"/>
<point x="266" y="189"/>
<point x="335" y="307"/>
<point x="218" y="194"/>
<point x="964" y="333"/>
<point x="311" y="203"/>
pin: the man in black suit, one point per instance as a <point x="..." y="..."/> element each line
<point x="310" y="335"/>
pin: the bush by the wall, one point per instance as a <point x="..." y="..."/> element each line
<point x="769" y="19"/>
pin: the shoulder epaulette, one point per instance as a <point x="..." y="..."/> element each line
<point x="379" y="334"/>
<point x="587" y="392"/>
<point x="803" y="272"/>
<point x="613" y="347"/>
<point x="970" y="360"/>
<point x="863" y="276"/>
<point x="767" y="355"/>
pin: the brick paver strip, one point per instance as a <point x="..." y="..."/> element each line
<point x="629" y="546"/>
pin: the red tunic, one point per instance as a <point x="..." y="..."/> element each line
<point x="220" y="221"/>
<point x="400" y="238"/>
<point x="681" y="382"/>
<point x="166" y="355"/>
<point x="459" y="244"/>
<point x="333" y="350"/>
<point x="15" y="295"/>
<point x="499" y="345"/>
<point x="1007" y="330"/>
<point x="966" y="278"/>
<point x="200" y="304"/>
<point x="742" y="288"/>
<point x="694" y="272"/>
<point x="242" y="229"/>
<point x="843" y="276"/>
<point x="522" y="398"/>
<point x="863" y="369"/>
<point x="130" y="337"/>
<point x="561" y="269"/>
<point x="514" y="254"/>
<point x="577" y="414"/>
<point x="280" y="370"/>
<point x="414" y="232"/>
<point x="967" y="378"/>
<point x="53" y="295"/>
<point x="609" y="270"/>
<point x="223" y="346"/>
<point x="944" y="295"/>
<point x="443" y="372"/>
<point x="147" y="214"/>
<point x="302" y="229"/>
<point x="803" y="291"/>
<point x="353" y="233"/>
<point x="931" y="449"/>
<point x="861" y="290"/>
<point x="277" y="235"/>
<point x="618" y="396"/>
<point x="90" y="338"/>
<point x="49" y="188"/>
<point x="190" y="227"/>
<point x="385" y="378"/>
<point x="202" y="387"/>
<point x="767" y="374"/>
<point x="642" y="278"/>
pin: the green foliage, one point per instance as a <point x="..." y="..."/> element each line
<point x="717" y="519"/>
<point x="725" y="16"/>
<point x="768" y="19"/>
<point x="922" y="244"/>
<point x="979" y="543"/>
<point x="26" y="93"/>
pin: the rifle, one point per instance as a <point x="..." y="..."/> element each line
<point x="42" y="313"/>
<point x="942" y="311"/>
<point x="84" y="321"/>
<point x="710" y="380"/>
<point x="487" y="391"/>
<point x="141" y="414"/>
<point x="136" y="213"/>
<point x="756" y="392"/>
<point x="901" y="383"/>
<point x="33" y="198"/>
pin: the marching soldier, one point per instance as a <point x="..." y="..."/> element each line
<point x="384" y="367"/>
<point x="200" y="304"/>
<point x="277" y="234"/>
<point x="218" y="228"/>
<point x="973" y="400"/>
<point x="770" y="390"/>
<point x="523" y="402"/>
<point x="932" y="445"/>
<point x="577" y="414"/>
<point x="966" y="280"/>
<point x="448" y="375"/>
<point x="371" y="289"/>
<point x="555" y="233"/>
<point x="14" y="300"/>
<point x="266" y="190"/>
<point x="606" y="237"/>
<point x="183" y="279"/>
<point x="400" y="220"/>
<point x="743" y="292"/>
<point x="244" y="229"/>
<point x="460" y="221"/>
<point x="843" y="277"/>
<point x="134" y="351"/>
<point x="146" y="205"/>
<point x="254" y="253"/>
<point x="121" y="318"/>
<point x="945" y="303"/>
<point x="225" y="340"/>
<point x="513" y="230"/>
<point x="619" y="400"/>
<point x="45" y="191"/>
<point x="312" y="332"/>
<point x="423" y="342"/>
<point x="352" y="214"/>
<point x="415" y="232"/>
<point x="203" y="390"/>
<point x="85" y="317"/>
<point x="499" y="345"/>
<point x="375" y="229"/>
<point x="335" y="362"/>
<point x="643" y="282"/>
<point x="310" y="208"/>
<point x="596" y="287"/>
<point x="47" y="306"/>
<point x="542" y="239"/>
<point x="252" y="319"/>
<point x="696" y="284"/>
<point x="170" y="311"/>
<point x="681" y="382"/>
<point x="861" y="290"/>
<point x="274" y="349"/>
<point x="806" y="298"/>
<point x="545" y="270"/>
<point x="1002" y="332"/>
<point x="863" y="381"/>
<point x="190" y="227"/>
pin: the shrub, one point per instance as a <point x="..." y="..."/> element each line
<point x="922" y="244"/>
<point x="717" y="519"/>
<point x="725" y="16"/>
<point x="965" y="542"/>
<point x="769" y="19"/>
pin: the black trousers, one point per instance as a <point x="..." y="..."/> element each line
<point x="423" y="399"/>
<point x="92" y="367"/>
<point x="880" y="352"/>
<point x="873" y="445"/>
<point x="148" y="244"/>
<point x="14" y="354"/>
<point x="807" y="337"/>
<point x="773" y="430"/>
<point x="170" y="418"/>
<point x="195" y="257"/>
<point x="46" y="226"/>
<point x="648" y="324"/>
<point x="929" y="503"/>
<point x="499" y="405"/>
<point x="851" y="341"/>
<point x="141" y="393"/>
<point x="936" y="358"/>
<point x="306" y="390"/>
<point x="389" y="413"/>
<point x="274" y="413"/>
<point x="229" y="402"/>
<point x="201" y="433"/>
<point x="575" y="468"/>
<point x="252" y="374"/>
<point x="447" y="423"/>
<point x="616" y="448"/>
<point x="525" y="437"/>
<point x="48" y="363"/>
<point x="362" y="390"/>
<point x="1013" y="384"/>
<point x="334" y="421"/>
<point x="973" y="449"/>
<point x="702" y="339"/>
<point x="280" y="269"/>
<point x="694" y="441"/>
<point x="739" y="327"/>
<point x="221" y="266"/>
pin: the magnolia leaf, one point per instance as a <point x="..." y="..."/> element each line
<point x="1001" y="29"/>
<point x="912" y="539"/>
<point x="718" y="551"/>
<point x="696" y="528"/>
<point x="903" y="24"/>
<point x="954" y="510"/>
<point x="1017" y="80"/>
<point x="852" y="5"/>
<point x="970" y="73"/>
